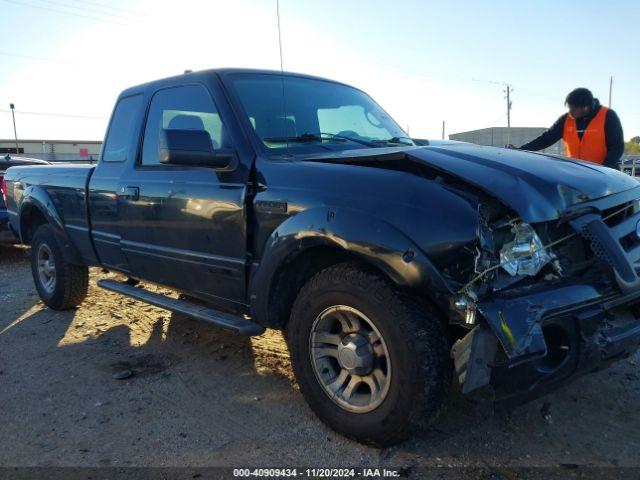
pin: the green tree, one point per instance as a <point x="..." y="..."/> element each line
<point x="632" y="147"/>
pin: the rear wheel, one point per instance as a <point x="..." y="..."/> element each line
<point x="61" y="285"/>
<point x="370" y="362"/>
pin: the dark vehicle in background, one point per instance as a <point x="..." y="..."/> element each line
<point x="292" y="202"/>
<point x="631" y="165"/>
<point x="6" y="161"/>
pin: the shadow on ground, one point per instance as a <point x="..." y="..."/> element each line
<point x="119" y="383"/>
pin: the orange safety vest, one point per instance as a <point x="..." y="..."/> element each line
<point x="593" y="145"/>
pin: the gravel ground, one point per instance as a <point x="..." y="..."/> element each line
<point x="199" y="396"/>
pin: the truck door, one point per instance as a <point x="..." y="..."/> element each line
<point x="185" y="226"/>
<point x="104" y="209"/>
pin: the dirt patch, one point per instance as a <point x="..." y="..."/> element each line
<point x="199" y="396"/>
<point x="148" y="364"/>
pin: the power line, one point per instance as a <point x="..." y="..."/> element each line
<point x="42" y="59"/>
<point x="85" y="9"/>
<point x="492" y="124"/>
<point x="62" y="12"/>
<point x="428" y="76"/>
<point x="117" y="9"/>
<point x="47" y="114"/>
<point x="435" y="76"/>
<point x="473" y="79"/>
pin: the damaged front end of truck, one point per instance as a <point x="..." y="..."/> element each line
<point x="551" y="300"/>
<point x="550" y="287"/>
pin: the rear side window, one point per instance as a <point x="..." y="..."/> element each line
<point x="184" y="108"/>
<point x="120" y="134"/>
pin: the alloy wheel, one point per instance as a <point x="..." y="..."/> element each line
<point x="350" y="359"/>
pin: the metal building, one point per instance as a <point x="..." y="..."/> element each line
<point x="54" y="150"/>
<point x="501" y="136"/>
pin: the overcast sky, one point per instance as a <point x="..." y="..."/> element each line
<point x="423" y="61"/>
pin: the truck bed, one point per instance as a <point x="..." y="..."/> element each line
<point x="65" y="186"/>
<point x="7" y="162"/>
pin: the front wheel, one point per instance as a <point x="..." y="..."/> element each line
<point x="60" y="285"/>
<point x="371" y="363"/>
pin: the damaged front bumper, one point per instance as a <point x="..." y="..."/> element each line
<point x="547" y="338"/>
<point x="528" y="343"/>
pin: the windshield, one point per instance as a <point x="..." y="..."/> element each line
<point x="305" y="115"/>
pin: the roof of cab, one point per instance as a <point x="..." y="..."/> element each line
<point x="222" y="72"/>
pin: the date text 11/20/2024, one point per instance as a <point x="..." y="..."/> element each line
<point x="317" y="472"/>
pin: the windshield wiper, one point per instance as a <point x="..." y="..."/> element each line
<point x="396" y="141"/>
<point x="304" y="138"/>
<point x="312" y="137"/>
<point x="356" y="140"/>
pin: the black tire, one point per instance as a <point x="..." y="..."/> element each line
<point x="420" y="372"/>
<point x="71" y="282"/>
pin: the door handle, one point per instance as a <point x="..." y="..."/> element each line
<point x="130" y="193"/>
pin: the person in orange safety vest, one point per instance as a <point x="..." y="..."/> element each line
<point x="590" y="131"/>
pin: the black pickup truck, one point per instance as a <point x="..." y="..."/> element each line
<point x="286" y="201"/>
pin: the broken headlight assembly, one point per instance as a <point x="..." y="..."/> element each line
<point x="525" y="254"/>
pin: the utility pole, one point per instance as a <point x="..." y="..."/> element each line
<point x="508" y="91"/>
<point x="15" y="133"/>
<point x="610" y="88"/>
<point x="509" y="103"/>
<point x="442" y="129"/>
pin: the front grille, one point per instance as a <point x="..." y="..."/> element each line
<point x="623" y="219"/>
<point x="613" y="240"/>
<point x="630" y="241"/>
<point x="615" y="215"/>
<point x="572" y="251"/>
<point x="597" y="246"/>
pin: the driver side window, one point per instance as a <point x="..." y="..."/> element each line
<point x="182" y="108"/>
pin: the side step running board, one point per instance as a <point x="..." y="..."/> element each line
<point x="221" y="319"/>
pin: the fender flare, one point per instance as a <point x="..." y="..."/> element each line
<point x="35" y="197"/>
<point x="374" y="240"/>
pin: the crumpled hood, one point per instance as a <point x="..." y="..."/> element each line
<point x="539" y="187"/>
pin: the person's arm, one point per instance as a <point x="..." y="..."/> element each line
<point x="548" y="137"/>
<point x="615" y="140"/>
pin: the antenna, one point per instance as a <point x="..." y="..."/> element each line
<point x="284" y="98"/>
<point x="279" y="35"/>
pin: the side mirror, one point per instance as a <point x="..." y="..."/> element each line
<point x="190" y="147"/>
